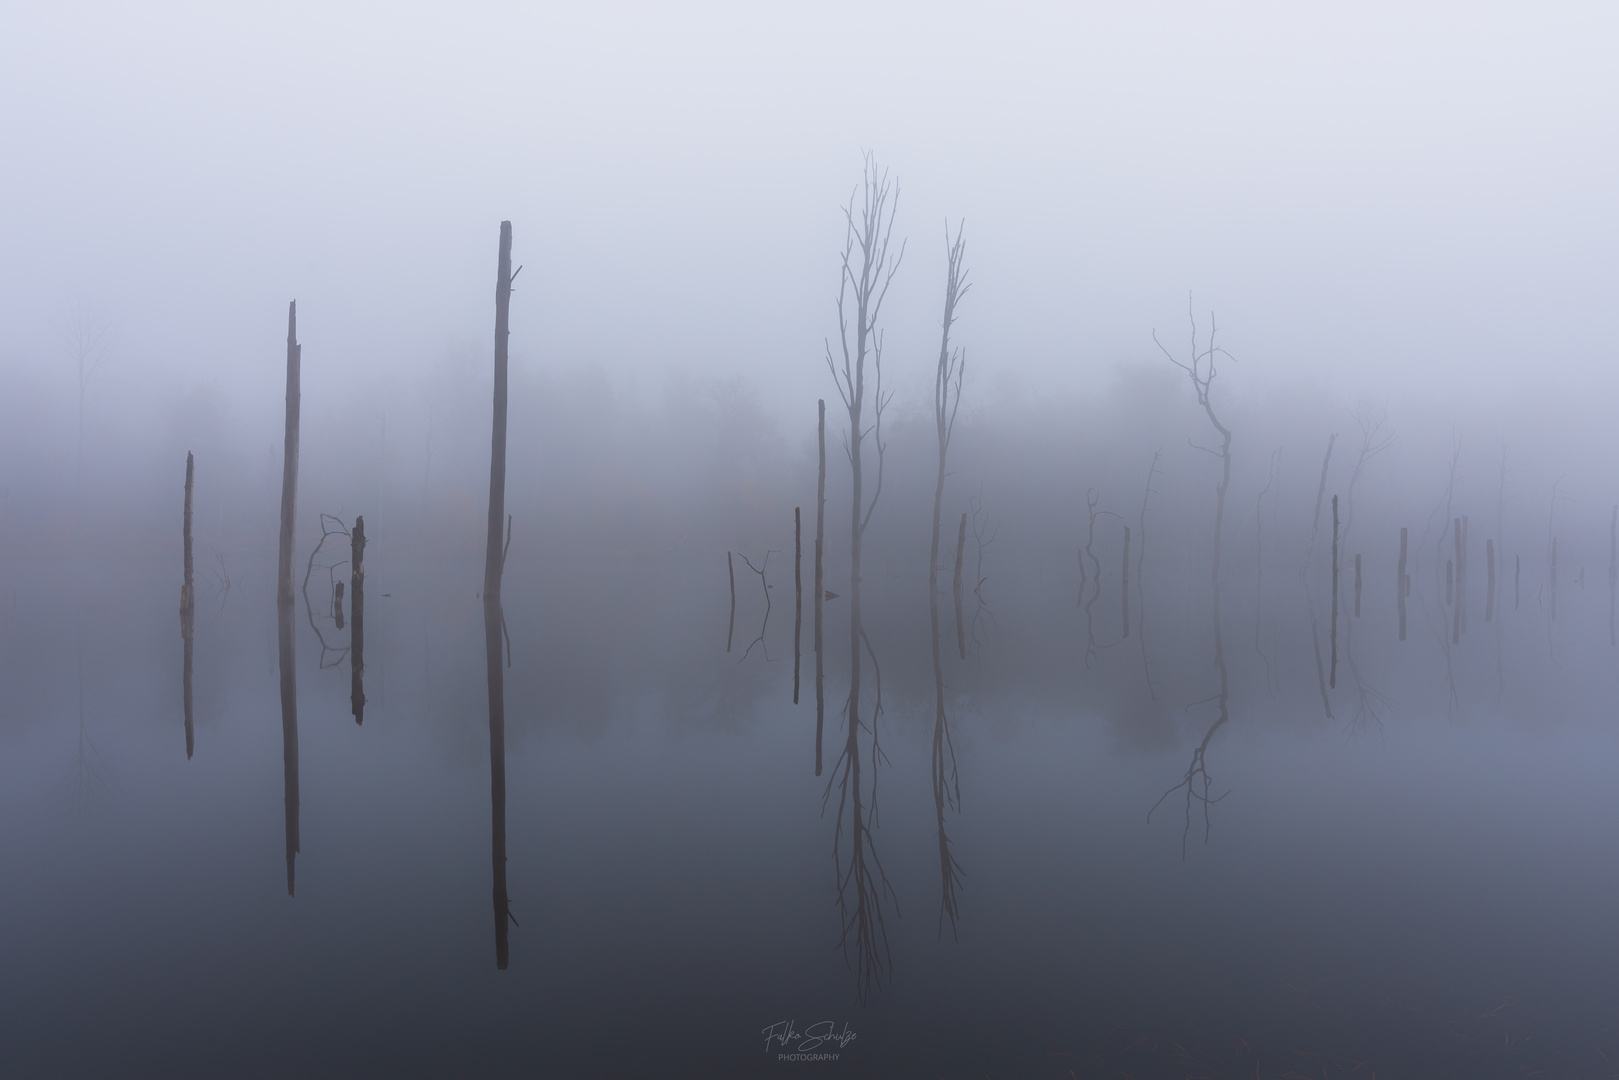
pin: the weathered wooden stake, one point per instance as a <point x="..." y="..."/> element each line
<point x="493" y="618"/>
<point x="284" y="638"/>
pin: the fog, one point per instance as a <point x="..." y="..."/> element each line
<point x="1375" y="246"/>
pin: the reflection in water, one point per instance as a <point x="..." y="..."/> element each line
<point x="357" y="633"/>
<point x="493" y="618"/>
<point x="764" y="624"/>
<point x="289" y="731"/>
<point x="330" y="655"/>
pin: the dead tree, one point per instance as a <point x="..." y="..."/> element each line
<point x="493" y="617"/>
<point x="868" y="268"/>
<point x="1201" y="369"/>
<point x="357" y="634"/>
<point x="947" y="378"/>
<point x="819" y="597"/>
<point x="188" y="612"/>
<point x="284" y="598"/>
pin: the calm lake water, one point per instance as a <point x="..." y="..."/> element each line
<point x="1422" y="884"/>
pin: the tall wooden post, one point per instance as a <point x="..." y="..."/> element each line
<point x="284" y="638"/>
<point x="493" y="568"/>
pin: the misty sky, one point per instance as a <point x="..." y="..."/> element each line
<point x="1375" y="200"/>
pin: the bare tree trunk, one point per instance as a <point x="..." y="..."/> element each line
<point x="820" y="580"/>
<point x="493" y="617"/>
<point x="1403" y="582"/>
<point x="357" y="634"/>
<point x="188" y="612"/>
<point x="961" y="626"/>
<point x="284" y="599"/>
<point x="798" y="594"/>
<point x="1332" y="679"/>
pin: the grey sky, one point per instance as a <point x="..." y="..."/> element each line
<point x="1380" y="196"/>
